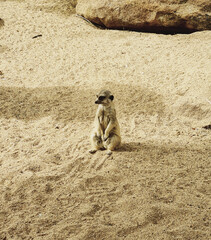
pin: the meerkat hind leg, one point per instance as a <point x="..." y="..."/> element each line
<point x="112" y="143"/>
<point x="97" y="144"/>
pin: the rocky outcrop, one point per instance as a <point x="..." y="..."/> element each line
<point x="148" y="15"/>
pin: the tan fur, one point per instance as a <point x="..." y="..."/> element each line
<point x="106" y="132"/>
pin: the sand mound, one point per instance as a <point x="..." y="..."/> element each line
<point x="156" y="186"/>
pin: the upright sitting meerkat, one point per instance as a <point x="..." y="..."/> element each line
<point x="106" y="132"/>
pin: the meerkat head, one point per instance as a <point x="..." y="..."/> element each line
<point x="104" y="97"/>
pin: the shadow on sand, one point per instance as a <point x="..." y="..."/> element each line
<point x="74" y="103"/>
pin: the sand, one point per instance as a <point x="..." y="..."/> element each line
<point x="157" y="185"/>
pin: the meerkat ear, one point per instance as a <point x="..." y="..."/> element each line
<point x="111" y="97"/>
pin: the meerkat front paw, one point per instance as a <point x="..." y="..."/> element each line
<point x="105" y="137"/>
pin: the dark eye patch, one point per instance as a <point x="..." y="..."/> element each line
<point x="101" y="98"/>
<point x="111" y="97"/>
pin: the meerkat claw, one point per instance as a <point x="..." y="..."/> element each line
<point x="109" y="152"/>
<point x="92" y="151"/>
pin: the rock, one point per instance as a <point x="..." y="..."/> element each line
<point x="147" y="15"/>
<point x="1" y="22"/>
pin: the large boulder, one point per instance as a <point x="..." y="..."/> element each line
<point x="148" y="15"/>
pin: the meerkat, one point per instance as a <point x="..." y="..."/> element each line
<point x="106" y="132"/>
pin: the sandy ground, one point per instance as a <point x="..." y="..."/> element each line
<point x="156" y="186"/>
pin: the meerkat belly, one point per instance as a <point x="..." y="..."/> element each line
<point x="104" y="120"/>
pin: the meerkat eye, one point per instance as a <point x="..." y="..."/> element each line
<point x="101" y="98"/>
<point x="111" y="97"/>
